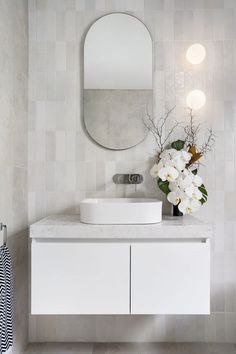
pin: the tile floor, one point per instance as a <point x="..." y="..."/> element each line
<point x="118" y="348"/>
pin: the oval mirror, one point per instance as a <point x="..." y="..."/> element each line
<point x="117" y="80"/>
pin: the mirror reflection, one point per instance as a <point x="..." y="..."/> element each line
<point x="117" y="80"/>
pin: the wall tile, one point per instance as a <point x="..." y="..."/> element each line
<point x="60" y="146"/>
<point x="36" y="176"/>
<point x="230" y="297"/>
<point x="230" y="327"/>
<point x="100" y="5"/>
<point x="66" y="166"/>
<point x="229" y="4"/>
<point x="70" y="30"/>
<point x="13" y="149"/>
<point x="210" y="328"/>
<point x="60" y="56"/>
<point x="60" y="26"/>
<point x="37" y="142"/>
<point x="71" y="57"/>
<point x="218" y="294"/>
<point x="50" y="146"/>
<point x="80" y="5"/>
<point x="220" y="319"/>
<point x="230" y="236"/>
<point x="151" y="5"/>
<point x="50" y="177"/>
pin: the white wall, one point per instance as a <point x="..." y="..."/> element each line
<point x="13" y="151"/>
<point x="65" y="166"/>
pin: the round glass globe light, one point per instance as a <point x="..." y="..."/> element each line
<point x="196" y="53"/>
<point x="196" y="99"/>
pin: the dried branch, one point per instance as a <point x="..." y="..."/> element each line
<point x="208" y="145"/>
<point x="171" y="131"/>
<point x="191" y="130"/>
<point x="157" y="128"/>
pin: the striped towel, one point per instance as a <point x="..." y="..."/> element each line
<point x="6" y="300"/>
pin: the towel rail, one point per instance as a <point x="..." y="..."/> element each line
<point x="3" y="228"/>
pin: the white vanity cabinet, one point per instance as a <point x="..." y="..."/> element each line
<point x="138" y="269"/>
<point x="80" y="278"/>
<point x="170" y="278"/>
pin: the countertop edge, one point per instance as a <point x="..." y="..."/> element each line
<point x="190" y="229"/>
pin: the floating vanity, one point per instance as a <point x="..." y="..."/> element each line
<point x="78" y="268"/>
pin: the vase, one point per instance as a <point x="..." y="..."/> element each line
<point x="176" y="211"/>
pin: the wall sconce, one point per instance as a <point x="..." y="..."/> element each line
<point x="196" y="99"/>
<point x="196" y="53"/>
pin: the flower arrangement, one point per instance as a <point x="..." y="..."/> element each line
<point x="177" y="162"/>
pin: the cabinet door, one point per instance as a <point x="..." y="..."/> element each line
<point x="79" y="278"/>
<point x="170" y="278"/>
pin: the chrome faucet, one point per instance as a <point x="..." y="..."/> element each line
<point x="133" y="178"/>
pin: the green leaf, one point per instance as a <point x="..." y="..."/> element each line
<point x="204" y="199"/>
<point x="178" y="144"/>
<point x="164" y="186"/>
<point x="202" y="189"/>
<point x="194" y="171"/>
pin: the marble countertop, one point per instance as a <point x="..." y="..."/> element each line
<point x="69" y="226"/>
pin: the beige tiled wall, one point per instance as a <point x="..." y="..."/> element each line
<point x="13" y="151"/>
<point x="65" y="166"/>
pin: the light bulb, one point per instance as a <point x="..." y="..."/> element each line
<point x="196" y="99"/>
<point x="196" y="53"/>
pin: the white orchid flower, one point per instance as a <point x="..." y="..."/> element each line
<point x="197" y="181"/>
<point x="188" y="206"/>
<point x="155" y="169"/>
<point x="165" y="155"/>
<point x="173" y="186"/>
<point x="172" y="152"/>
<point x="193" y="192"/>
<point x="179" y="180"/>
<point x="173" y="198"/>
<point x="197" y="194"/>
<point x="177" y="163"/>
<point x="186" y="156"/>
<point x="184" y="206"/>
<point x="165" y="158"/>
<point x="168" y="174"/>
<point x="190" y="190"/>
<point x="180" y="165"/>
<point x="176" y="155"/>
<point x="169" y="163"/>
<point x="186" y="172"/>
<point x="195" y="205"/>
<point x="185" y="182"/>
<point x="183" y="155"/>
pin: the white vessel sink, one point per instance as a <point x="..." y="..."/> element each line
<point x="121" y="211"/>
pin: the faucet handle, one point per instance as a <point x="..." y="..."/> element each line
<point x="135" y="178"/>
